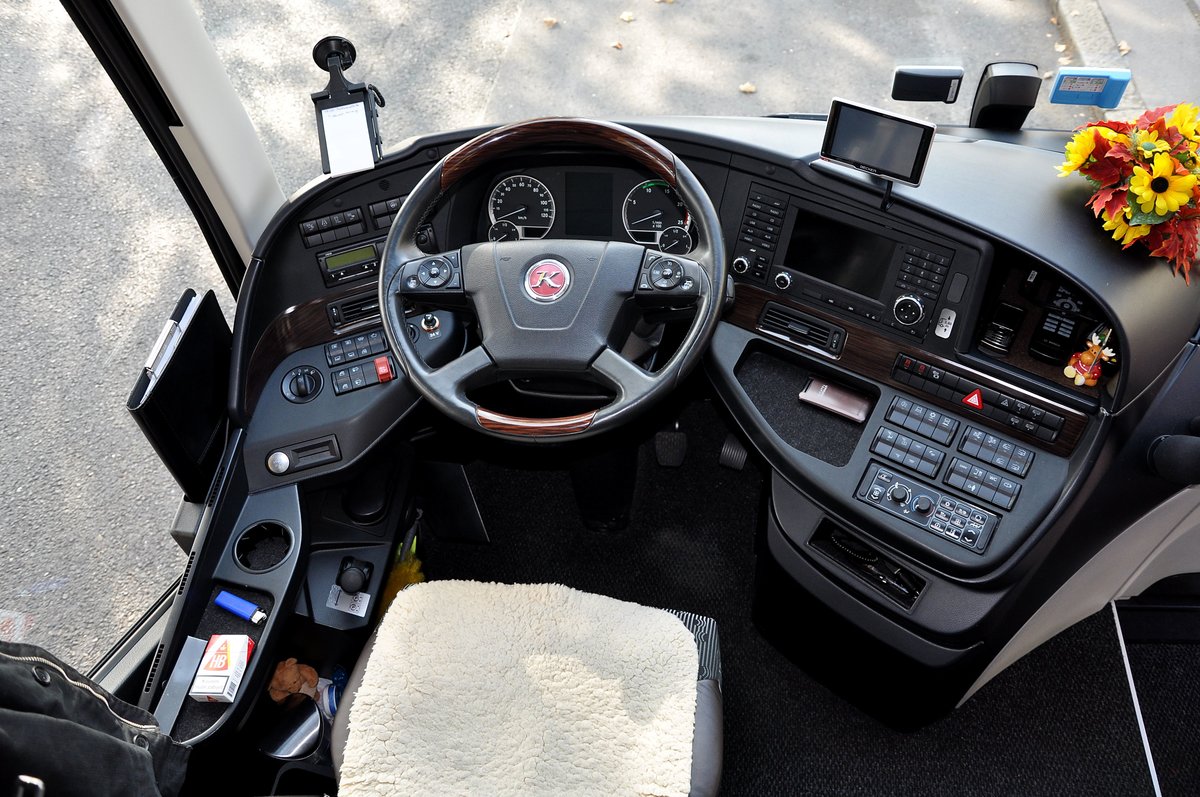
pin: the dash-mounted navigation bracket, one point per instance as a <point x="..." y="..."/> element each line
<point x="347" y="113"/>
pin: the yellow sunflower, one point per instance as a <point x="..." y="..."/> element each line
<point x="1148" y="144"/>
<point x="1079" y="149"/>
<point x="1161" y="189"/>
<point x="1185" y="118"/>
<point x="1122" y="230"/>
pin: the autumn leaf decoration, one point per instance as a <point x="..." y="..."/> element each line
<point x="1146" y="177"/>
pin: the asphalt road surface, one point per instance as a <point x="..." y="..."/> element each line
<point x="99" y="245"/>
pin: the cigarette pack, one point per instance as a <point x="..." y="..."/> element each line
<point x="221" y="668"/>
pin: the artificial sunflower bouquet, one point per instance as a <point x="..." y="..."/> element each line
<point x="1146" y="176"/>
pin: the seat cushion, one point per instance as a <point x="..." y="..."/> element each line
<point x="472" y="688"/>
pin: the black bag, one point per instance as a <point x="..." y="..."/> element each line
<point x="78" y="739"/>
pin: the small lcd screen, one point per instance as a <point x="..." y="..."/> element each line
<point x="348" y="258"/>
<point x="840" y="254"/>
<point x="877" y="142"/>
<point x="589" y="205"/>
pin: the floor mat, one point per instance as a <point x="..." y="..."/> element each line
<point x="1059" y="722"/>
<point x="1167" y="677"/>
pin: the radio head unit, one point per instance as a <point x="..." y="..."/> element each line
<point x="350" y="262"/>
<point x="883" y="274"/>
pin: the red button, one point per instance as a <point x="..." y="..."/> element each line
<point x="974" y="400"/>
<point x="383" y="369"/>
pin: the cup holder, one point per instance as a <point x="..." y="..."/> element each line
<point x="262" y="547"/>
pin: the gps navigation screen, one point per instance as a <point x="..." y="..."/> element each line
<point x="877" y="142"/>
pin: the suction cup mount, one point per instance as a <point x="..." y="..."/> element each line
<point x="332" y="46"/>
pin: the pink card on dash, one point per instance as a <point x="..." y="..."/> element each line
<point x="836" y="399"/>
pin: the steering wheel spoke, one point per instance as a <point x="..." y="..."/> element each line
<point x="432" y="279"/>
<point x="463" y="373"/>
<point x="633" y="383"/>
<point x="669" y="280"/>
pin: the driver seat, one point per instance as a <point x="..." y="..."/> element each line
<point x="472" y="688"/>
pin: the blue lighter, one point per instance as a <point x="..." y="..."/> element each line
<point x="241" y="607"/>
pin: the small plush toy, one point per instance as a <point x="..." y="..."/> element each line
<point x="1084" y="366"/>
<point x="405" y="571"/>
<point x="292" y="678"/>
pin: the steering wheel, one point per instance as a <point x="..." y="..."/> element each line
<point x="551" y="306"/>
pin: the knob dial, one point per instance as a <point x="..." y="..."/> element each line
<point x="908" y="309"/>
<point x="741" y="265"/>
<point x="783" y="280"/>
<point x="899" y="493"/>
<point x="301" y="385"/>
<point x="923" y="505"/>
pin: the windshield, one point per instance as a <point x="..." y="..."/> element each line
<point x="108" y="243"/>
<point x="445" y="65"/>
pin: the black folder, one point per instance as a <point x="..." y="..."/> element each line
<point x="180" y="397"/>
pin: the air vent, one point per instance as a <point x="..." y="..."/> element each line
<point x="154" y="668"/>
<point x="187" y="571"/>
<point x="802" y="329"/>
<point x="215" y="489"/>
<point x="352" y="310"/>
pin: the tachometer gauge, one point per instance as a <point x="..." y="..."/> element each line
<point x="651" y="209"/>
<point x="504" y="231"/>
<point x="523" y="202"/>
<point x="675" y="240"/>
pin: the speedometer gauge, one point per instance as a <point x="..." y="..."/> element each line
<point x="524" y="203"/>
<point x="653" y="208"/>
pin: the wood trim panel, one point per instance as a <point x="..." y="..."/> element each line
<point x="540" y="133"/>
<point x="297" y="328"/>
<point x="533" y="427"/>
<point x="872" y="355"/>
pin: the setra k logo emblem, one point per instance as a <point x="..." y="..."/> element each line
<point x="547" y="280"/>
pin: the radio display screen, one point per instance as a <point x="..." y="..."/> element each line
<point x="342" y="259"/>
<point x="840" y="254"/>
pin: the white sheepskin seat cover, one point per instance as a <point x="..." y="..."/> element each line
<point x="522" y="689"/>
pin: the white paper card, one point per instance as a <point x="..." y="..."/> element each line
<point x="347" y="140"/>
<point x="342" y="601"/>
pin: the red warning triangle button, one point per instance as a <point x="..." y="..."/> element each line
<point x="974" y="399"/>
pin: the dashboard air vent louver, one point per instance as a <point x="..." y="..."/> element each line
<point x="355" y="309"/>
<point x="802" y="329"/>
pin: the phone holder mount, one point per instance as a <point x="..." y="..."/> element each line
<point x="347" y="113"/>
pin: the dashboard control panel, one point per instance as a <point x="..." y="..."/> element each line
<point x="888" y="277"/>
<point x="924" y="421"/>
<point x="904" y="450"/>
<point x="1018" y="414"/>
<point x="927" y="507"/>
<point x="987" y="485"/>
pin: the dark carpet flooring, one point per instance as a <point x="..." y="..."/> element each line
<point x="1167" y="677"/>
<point x="1059" y="722"/>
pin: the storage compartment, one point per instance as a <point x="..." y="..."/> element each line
<point x="849" y="551"/>
<point x="774" y="382"/>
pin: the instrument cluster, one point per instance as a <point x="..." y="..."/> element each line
<point x="595" y="203"/>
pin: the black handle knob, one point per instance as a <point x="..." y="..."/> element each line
<point x="1176" y="458"/>
<point x="923" y="504"/>
<point x="899" y="493"/>
<point x="354" y="575"/>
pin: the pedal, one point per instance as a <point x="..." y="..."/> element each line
<point x="670" y="447"/>
<point x="733" y="453"/>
